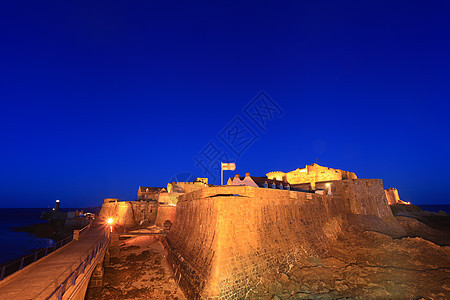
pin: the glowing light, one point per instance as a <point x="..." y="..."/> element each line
<point x="110" y="221"/>
<point x="327" y="185"/>
<point x="57" y="200"/>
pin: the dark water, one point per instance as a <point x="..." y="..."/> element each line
<point x="17" y="244"/>
<point x="435" y="208"/>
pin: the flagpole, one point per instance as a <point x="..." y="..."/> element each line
<point x="221" y="173"/>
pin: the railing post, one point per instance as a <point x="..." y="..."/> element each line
<point x="76" y="235"/>
<point x="60" y="292"/>
<point x="54" y="247"/>
<point x="2" y="275"/>
<point x="46" y="251"/>
<point x="21" y="264"/>
<point x="35" y="256"/>
<point x="74" y="277"/>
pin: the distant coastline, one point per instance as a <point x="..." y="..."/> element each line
<point x="22" y="231"/>
<point x="435" y="207"/>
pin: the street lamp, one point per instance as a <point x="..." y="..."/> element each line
<point x="110" y="221"/>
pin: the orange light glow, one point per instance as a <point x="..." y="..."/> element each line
<point x="110" y="221"/>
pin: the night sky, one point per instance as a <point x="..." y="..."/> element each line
<point x="99" y="97"/>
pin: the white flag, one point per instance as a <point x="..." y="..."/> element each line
<point x="228" y="166"/>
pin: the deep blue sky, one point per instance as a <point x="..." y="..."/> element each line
<point x="98" y="98"/>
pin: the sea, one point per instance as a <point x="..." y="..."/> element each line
<point x="17" y="244"/>
<point x="13" y="244"/>
<point x="435" y="208"/>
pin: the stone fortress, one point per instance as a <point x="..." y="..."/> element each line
<point x="223" y="239"/>
<point x="311" y="174"/>
<point x="153" y="205"/>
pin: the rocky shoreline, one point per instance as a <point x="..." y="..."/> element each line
<point x="55" y="230"/>
<point x="431" y="226"/>
<point x="59" y="224"/>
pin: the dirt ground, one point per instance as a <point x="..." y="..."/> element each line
<point x="141" y="272"/>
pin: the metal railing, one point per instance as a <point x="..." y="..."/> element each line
<point x="18" y="264"/>
<point x="84" y="229"/>
<point x="72" y="278"/>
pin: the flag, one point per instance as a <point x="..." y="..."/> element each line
<point x="228" y="166"/>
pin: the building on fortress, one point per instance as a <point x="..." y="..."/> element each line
<point x="147" y="193"/>
<point x="310" y="174"/>
<point x="298" y="180"/>
<point x="262" y="182"/>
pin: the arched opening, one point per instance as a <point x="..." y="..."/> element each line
<point x="167" y="225"/>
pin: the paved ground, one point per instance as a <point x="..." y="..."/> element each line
<point x="141" y="272"/>
<point x="40" y="279"/>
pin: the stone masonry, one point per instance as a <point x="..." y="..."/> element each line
<point x="224" y="239"/>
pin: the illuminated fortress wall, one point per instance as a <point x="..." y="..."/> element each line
<point x="130" y="213"/>
<point x="311" y="173"/>
<point x="392" y="196"/>
<point x="166" y="212"/>
<point x="225" y="238"/>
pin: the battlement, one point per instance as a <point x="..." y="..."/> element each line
<point x="360" y="196"/>
<point x="129" y="213"/>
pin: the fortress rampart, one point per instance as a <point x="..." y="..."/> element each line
<point x="166" y="212"/>
<point x="225" y="238"/>
<point x="130" y="213"/>
<point x="393" y="197"/>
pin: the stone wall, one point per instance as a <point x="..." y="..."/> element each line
<point x="165" y="212"/>
<point x="130" y="213"/>
<point x="193" y="245"/>
<point x="225" y="238"/>
<point x="168" y="198"/>
<point x="185" y="187"/>
<point x="365" y="196"/>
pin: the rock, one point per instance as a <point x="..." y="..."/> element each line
<point x="283" y="278"/>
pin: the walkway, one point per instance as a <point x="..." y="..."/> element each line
<point x="41" y="278"/>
